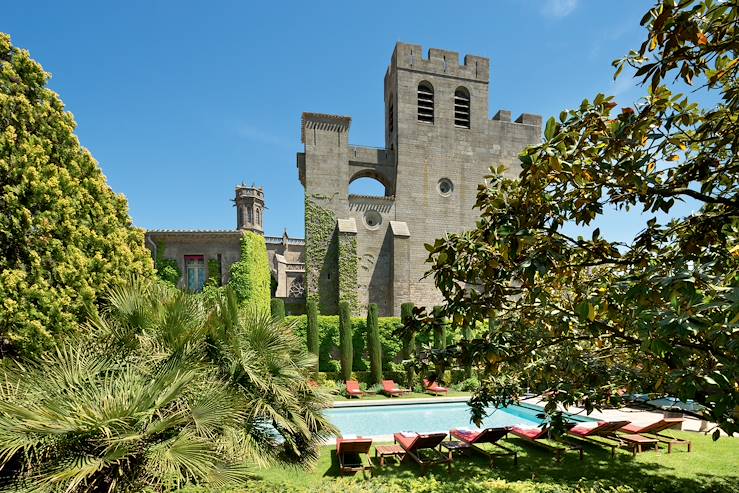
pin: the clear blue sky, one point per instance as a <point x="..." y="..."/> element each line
<point x="181" y="100"/>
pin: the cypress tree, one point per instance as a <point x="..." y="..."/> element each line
<point x="277" y="308"/>
<point x="373" y="344"/>
<point x="312" y="319"/>
<point x="345" y="339"/>
<point x="467" y="336"/>
<point x="439" y="329"/>
<point x="409" y="342"/>
<point x="439" y="337"/>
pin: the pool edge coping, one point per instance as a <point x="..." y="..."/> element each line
<point x="400" y="402"/>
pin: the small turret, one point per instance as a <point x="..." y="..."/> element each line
<point x="250" y="208"/>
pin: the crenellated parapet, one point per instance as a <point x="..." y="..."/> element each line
<point x="440" y="62"/>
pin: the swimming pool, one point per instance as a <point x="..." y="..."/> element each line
<point x="424" y="418"/>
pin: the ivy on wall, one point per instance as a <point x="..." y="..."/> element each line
<point x="320" y="252"/>
<point x="250" y="276"/>
<point x="347" y="262"/>
<point x="166" y="268"/>
<point x="214" y="272"/>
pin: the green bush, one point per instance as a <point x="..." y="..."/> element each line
<point x="373" y="343"/>
<point x="431" y="484"/>
<point x="166" y="268"/>
<point x="345" y="340"/>
<point x="468" y="385"/>
<point x="277" y="308"/>
<point x="250" y="276"/>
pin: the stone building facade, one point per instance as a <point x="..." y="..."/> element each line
<point x="202" y="253"/>
<point x="439" y="144"/>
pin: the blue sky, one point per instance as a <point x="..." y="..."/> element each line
<point x="181" y="100"/>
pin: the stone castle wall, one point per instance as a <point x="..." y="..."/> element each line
<point x="418" y="156"/>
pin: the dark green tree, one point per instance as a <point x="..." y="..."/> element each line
<point x="587" y="318"/>
<point x="277" y="308"/>
<point x="373" y="344"/>
<point x="409" y="341"/>
<point x="440" y="323"/>
<point x="65" y="237"/>
<point x="312" y="329"/>
<point x="345" y="339"/>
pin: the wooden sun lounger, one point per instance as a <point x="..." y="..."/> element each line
<point x="434" y="388"/>
<point x="353" y="390"/>
<point x="489" y="435"/>
<point x="604" y="430"/>
<point x="428" y="442"/>
<point x="655" y="429"/>
<point x="391" y="388"/>
<point x="349" y="451"/>
<point x="536" y="436"/>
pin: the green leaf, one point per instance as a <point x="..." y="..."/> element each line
<point x="551" y="127"/>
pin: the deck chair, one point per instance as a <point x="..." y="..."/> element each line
<point x="353" y="390"/>
<point x="537" y="435"/>
<point x="422" y="448"/>
<point x="655" y="430"/>
<point x="434" y="388"/>
<point x="489" y="435"/>
<point x="592" y="431"/>
<point x="349" y="451"/>
<point x="391" y="388"/>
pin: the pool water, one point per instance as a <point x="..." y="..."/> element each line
<point x="424" y="418"/>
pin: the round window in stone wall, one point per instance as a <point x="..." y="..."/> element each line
<point x="445" y="187"/>
<point x="372" y="219"/>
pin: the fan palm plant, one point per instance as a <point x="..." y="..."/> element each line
<point x="162" y="390"/>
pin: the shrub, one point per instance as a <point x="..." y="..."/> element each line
<point x="373" y="344"/>
<point x="250" y="276"/>
<point x="277" y="308"/>
<point x="468" y="385"/>
<point x="345" y="340"/>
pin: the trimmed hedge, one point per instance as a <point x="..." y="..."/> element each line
<point x="328" y="336"/>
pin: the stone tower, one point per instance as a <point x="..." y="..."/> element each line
<point x="439" y="145"/>
<point x="250" y="208"/>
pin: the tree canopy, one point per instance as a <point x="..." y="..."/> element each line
<point x="65" y="236"/>
<point x="588" y="319"/>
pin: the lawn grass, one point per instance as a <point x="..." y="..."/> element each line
<point x="710" y="466"/>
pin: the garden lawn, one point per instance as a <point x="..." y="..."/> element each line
<point x="711" y="466"/>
